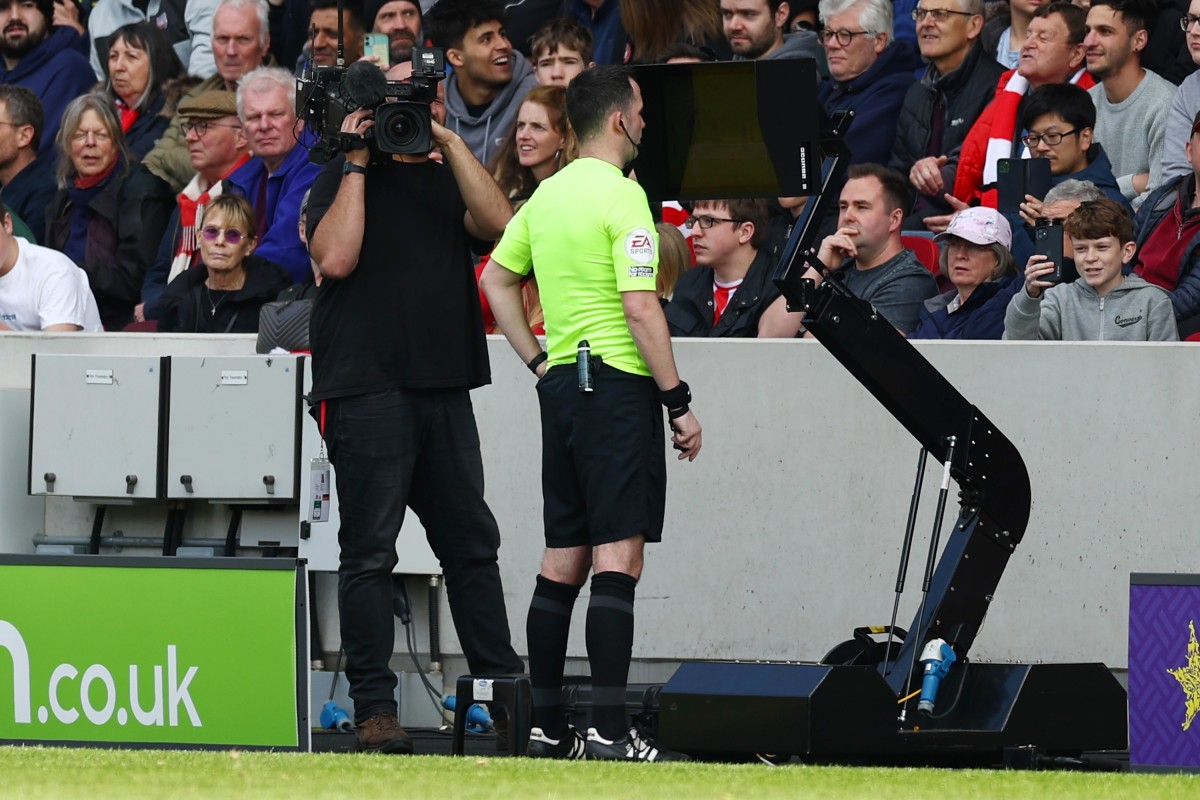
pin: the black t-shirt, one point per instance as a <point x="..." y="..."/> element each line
<point x="408" y="316"/>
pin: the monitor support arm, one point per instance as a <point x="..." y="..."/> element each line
<point x="993" y="481"/>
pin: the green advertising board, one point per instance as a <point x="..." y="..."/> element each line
<point x="161" y="652"/>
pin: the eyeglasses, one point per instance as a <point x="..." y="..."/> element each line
<point x="938" y="15"/>
<point x="707" y="222"/>
<point x="844" y="37"/>
<point x="201" y="126"/>
<point x="1054" y="139"/>
<point x="1187" y="21"/>
<point x="232" y="235"/>
<point x="82" y="136"/>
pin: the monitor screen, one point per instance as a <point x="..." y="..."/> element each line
<point x="730" y="129"/>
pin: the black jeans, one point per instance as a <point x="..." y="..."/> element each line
<point x="415" y="449"/>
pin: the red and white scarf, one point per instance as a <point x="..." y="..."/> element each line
<point x="192" y="201"/>
<point x="1004" y="120"/>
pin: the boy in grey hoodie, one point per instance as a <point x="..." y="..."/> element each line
<point x="490" y="78"/>
<point x="1104" y="304"/>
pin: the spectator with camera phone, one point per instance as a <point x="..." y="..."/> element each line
<point x="1059" y="121"/>
<point x="1104" y="304"/>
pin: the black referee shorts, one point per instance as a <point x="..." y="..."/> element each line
<point x="604" y="467"/>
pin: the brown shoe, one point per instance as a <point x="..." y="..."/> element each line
<point x="382" y="734"/>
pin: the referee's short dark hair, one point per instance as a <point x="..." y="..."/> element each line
<point x="594" y="94"/>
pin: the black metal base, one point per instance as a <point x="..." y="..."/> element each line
<point x="849" y="714"/>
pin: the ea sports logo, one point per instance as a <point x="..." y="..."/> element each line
<point x="639" y="246"/>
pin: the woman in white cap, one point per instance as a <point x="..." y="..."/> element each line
<point x="976" y="259"/>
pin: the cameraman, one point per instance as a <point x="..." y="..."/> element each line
<point x="397" y="340"/>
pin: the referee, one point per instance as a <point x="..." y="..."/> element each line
<point x="590" y="233"/>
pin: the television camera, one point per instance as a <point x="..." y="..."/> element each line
<point x="325" y="95"/>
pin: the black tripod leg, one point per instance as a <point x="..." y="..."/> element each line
<point x="931" y="560"/>
<point x="904" y="553"/>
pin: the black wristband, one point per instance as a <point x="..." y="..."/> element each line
<point x="537" y="361"/>
<point x="681" y="395"/>
<point x="676" y="413"/>
<point x="350" y="166"/>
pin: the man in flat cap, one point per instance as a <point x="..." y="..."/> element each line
<point x="240" y="42"/>
<point x="216" y="146"/>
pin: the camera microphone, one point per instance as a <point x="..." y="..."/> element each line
<point x="365" y="84"/>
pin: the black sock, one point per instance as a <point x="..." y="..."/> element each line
<point x="610" y="647"/>
<point x="546" y="628"/>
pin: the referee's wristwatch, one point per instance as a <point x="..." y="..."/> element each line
<point x="349" y="166"/>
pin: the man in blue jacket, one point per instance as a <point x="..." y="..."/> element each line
<point x="869" y="73"/>
<point x="45" y="61"/>
<point x="276" y="178"/>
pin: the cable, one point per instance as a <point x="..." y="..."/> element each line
<point x="402" y="607"/>
<point x="958" y="696"/>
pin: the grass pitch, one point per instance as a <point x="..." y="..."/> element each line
<point x="36" y="772"/>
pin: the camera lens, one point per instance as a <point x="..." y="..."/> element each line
<point x="402" y="128"/>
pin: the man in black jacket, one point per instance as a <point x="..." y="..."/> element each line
<point x="940" y="108"/>
<point x="730" y="287"/>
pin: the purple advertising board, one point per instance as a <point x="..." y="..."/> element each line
<point x="1164" y="672"/>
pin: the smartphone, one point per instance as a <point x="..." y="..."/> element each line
<point x="1048" y="242"/>
<point x="379" y="45"/>
<point x="1017" y="177"/>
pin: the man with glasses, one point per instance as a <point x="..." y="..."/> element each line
<point x="1053" y="53"/>
<point x="216" y="146"/>
<point x="869" y="73"/>
<point x="1060" y="121"/>
<point x="1132" y="103"/>
<point x="756" y="29"/>
<point x="727" y="292"/>
<point x="941" y="107"/>
<point x="280" y="172"/>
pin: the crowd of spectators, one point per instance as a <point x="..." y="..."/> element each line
<point x="156" y="149"/>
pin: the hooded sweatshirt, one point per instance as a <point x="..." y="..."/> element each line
<point x="1135" y="311"/>
<point x="57" y="73"/>
<point x="485" y="133"/>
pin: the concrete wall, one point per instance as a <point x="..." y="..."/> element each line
<point x="786" y="533"/>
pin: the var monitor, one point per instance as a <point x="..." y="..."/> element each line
<point x="730" y="129"/>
